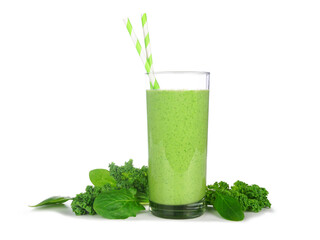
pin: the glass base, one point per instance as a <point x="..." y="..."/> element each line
<point x="191" y="210"/>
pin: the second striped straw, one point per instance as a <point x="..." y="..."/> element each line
<point x="147" y="40"/>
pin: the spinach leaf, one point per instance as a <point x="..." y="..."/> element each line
<point x="228" y="207"/>
<point x="52" y="201"/>
<point x="100" y="177"/>
<point x="117" y="204"/>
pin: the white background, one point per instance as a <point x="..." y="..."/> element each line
<point x="72" y="98"/>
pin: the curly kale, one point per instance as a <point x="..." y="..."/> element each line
<point x="251" y="197"/>
<point x="83" y="202"/>
<point x="127" y="176"/>
<point x="257" y="196"/>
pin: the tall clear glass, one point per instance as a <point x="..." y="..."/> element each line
<point x="177" y="143"/>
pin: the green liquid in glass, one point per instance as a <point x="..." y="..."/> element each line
<point x="177" y="138"/>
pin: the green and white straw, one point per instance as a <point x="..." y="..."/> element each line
<point x="153" y="82"/>
<point x="147" y="40"/>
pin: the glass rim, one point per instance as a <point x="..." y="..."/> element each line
<point x="180" y="72"/>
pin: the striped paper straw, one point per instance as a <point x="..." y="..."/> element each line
<point x="147" y="40"/>
<point x="153" y="82"/>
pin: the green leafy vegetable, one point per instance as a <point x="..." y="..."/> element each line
<point x="83" y="202"/>
<point x="118" y="204"/>
<point x="228" y="207"/>
<point x="121" y="192"/>
<point x="251" y="197"/>
<point x="127" y="176"/>
<point x="101" y="177"/>
<point x="52" y="201"/>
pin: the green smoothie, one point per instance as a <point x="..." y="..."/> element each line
<point x="177" y="138"/>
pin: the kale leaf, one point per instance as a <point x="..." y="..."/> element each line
<point x="127" y="176"/>
<point x="251" y="197"/>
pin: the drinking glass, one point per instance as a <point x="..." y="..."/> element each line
<point x="177" y="143"/>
